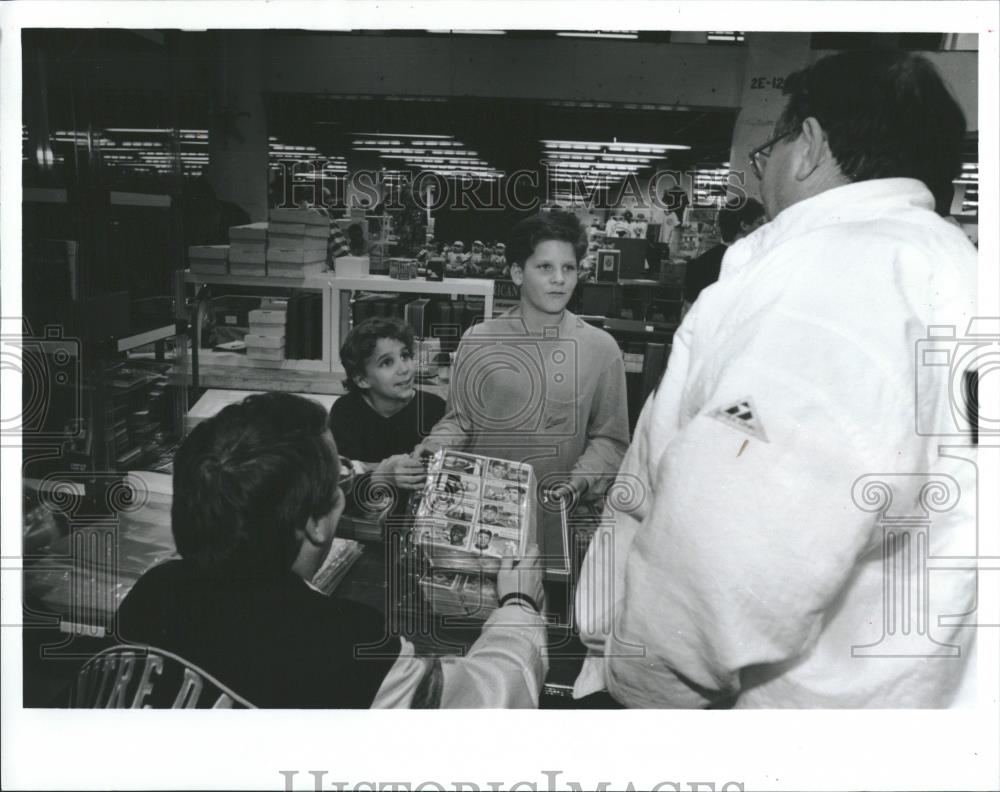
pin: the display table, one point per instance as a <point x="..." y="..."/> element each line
<point x="74" y="584"/>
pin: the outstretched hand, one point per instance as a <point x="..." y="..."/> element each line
<point x="402" y="471"/>
<point x="522" y="576"/>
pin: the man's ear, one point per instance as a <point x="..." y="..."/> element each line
<point x="516" y="274"/>
<point x="361" y="381"/>
<point x="320" y="531"/>
<point x="315" y="531"/>
<point x="813" y="148"/>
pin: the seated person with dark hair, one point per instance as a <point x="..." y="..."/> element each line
<point x="734" y="224"/>
<point x="383" y="416"/>
<point x="255" y="509"/>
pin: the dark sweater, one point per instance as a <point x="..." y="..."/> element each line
<point x="364" y="435"/>
<point x="703" y="271"/>
<point x="277" y="643"/>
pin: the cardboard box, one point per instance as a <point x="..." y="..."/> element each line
<point x="218" y="252"/>
<point x="304" y="216"/>
<point x="297" y="230"/>
<point x="258" y="341"/>
<point x="249" y="232"/>
<point x="248" y="270"/>
<point x="351" y="266"/>
<point x="263" y="316"/>
<point x="265" y="353"/>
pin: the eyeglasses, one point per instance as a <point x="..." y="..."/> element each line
<point x="760" y="154"/>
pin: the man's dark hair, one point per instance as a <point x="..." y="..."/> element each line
<point x="554" y="225"/>
<point x="731" y="220"/>
<point x="247" y="478"/>
<point x="886" y="114"/>
<point x="360" y="344"/>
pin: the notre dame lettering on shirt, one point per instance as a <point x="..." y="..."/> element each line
<point x="138" y="677"/>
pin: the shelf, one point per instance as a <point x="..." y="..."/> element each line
<point x="263" y="379"/>
<point x="310" y="282"/>
<point x="215" y="399"/>
<point x="44" y="195"/>
<point x="477" y="287"/>
<point x="139" y="199"/>
<point x="208" y="357"/>
<point x="147" y="337"/>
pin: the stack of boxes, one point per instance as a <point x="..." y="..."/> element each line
<point x="266" y="339"/>
<point x="248" y="249"/>
<point x="208" y="259"/>
<point x="297" y="242"/>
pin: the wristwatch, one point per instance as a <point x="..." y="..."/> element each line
<point x="517" y="595"/>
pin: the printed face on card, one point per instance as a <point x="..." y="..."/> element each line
<point x="495" y="491"/>
<point x="457" y="485"/>
<point x="461" y="464"/>
<point x="479" y="592"/>
<point x="458" y="534"/>
<point x="483" y="536"/>
<point x="499" y="469"/>
<point x="443" y="579"/>
<point x="451" y="489"/>
<point x="499" y="545"/>
<point x="444" y="533"/>
<point x="461" y="511"/>
<point x="515" y="494"/>
<point x="499" y="515"/>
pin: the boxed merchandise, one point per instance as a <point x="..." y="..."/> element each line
<point x="208" y="259"/>
<point x="351" y="266"/>
<point x="473" y="509"/>
<point x="343" y="553"/>
<point x="208" y="267"/>
<point x="208" y="252"/>
<point x="247" y="254"/>
<point x="266" y="353"/>
<point x="297" y="230"/>
<point x="278" y="269"/>
<point x="265" y="316"/>
<point x="296" y="242"/>
<point x="299" y="256"/>
<point x="304" y="216"/>
<point x="252" y="232"/>
<point x="264" y="341"/>
<point x="248" y="269"/>
<point x="447" y="592"/>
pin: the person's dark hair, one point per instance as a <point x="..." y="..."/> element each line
<point x="360" y="344"/>
<point x="554" y="225"/>
<point x="730" y="220"/>
<point x="356" y="239"/>
<point x="247" y="479"/>
<point x="886" y="114"/>
<point x="676" y="201"/>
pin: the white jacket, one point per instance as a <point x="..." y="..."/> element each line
<point x="745" y="554"/>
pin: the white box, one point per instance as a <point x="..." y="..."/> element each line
<point x="264" y="341"/>
<point x="351" y="266"/>
<point x="269" y="331"/>
<point x="259" y="353"/>
<point x="263" y="316"/>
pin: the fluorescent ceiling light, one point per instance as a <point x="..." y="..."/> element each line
<point x="143" y="131"/>
<point x="597" y="34"/>
<point x="405" y="135"/>
<point x="472" y="32"/>
<point x="614" y="145"/>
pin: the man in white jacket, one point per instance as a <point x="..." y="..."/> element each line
<point x="784" y="493"/>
